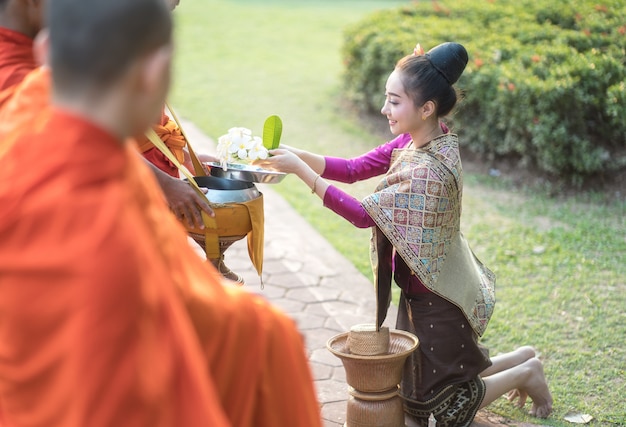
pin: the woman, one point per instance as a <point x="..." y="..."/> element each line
<point x="447" y="294"/>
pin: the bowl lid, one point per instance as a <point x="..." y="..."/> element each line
<point x="249" y="173"/>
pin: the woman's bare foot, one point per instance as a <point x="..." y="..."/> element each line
<point x="521" y="382"/>
<point x="536" y="387"/>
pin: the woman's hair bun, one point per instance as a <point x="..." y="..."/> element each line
<point x="449" y="59"/>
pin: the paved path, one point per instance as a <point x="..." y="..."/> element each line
<point x="315" y="285"/>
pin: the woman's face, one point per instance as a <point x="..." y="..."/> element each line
<point x="399" y="108"/>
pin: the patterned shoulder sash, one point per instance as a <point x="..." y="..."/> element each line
<point x="417" y="207"/>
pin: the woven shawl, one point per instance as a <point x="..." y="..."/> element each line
<point x="417" y="211"/>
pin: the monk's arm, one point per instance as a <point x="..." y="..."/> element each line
<point x="182" y="198"/>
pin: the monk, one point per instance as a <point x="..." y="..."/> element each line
<point x="107" y="316"/>
<point x="20" y="22"/>
<point x="16" y="41"/>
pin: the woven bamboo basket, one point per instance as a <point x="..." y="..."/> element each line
<point x="374" y="374"/>
<point x="365" y="340"/>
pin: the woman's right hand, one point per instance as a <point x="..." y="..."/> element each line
<point x="294" y="150"/>
<point x="282" y="160"/>
<point x="314" y="161"/>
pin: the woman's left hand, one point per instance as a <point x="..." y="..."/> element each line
<point x="282" y="161"/>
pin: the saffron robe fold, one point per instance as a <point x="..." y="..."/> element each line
<point x="108" y="317"/>
<point x="27" y="100"/>
<point x="417" y="210"/>
<point x="171" y="135"/>
<point x="16" y="57"/>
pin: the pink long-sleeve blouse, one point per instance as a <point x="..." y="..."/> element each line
<point x="373" y="163"/>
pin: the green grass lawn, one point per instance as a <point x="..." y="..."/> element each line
<point x="561" y="264"/>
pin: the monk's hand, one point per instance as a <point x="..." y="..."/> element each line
<point x="186" y="203"/>
<point x="282" y="160"/>
<point x="208" y="158"/>
<point x="203" y="158"/>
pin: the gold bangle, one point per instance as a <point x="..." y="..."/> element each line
<point x="315" y="183"/>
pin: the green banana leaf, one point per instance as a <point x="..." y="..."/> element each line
<point x="272" y="131"/>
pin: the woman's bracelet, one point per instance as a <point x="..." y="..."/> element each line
<point x="315" y="183"/>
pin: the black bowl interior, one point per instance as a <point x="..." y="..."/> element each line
<point x="215" y="183"/>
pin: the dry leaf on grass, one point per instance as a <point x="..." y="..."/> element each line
<point x="578" y="418"/>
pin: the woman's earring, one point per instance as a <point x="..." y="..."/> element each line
<point x="423" y="117"/>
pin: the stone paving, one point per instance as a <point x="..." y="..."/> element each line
<point x="317" y="287"/>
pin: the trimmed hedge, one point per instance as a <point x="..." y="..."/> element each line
<point x="545" y="82"/>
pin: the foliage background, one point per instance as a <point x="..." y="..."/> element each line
<point x="545" y="82"/>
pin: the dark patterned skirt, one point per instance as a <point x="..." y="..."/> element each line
<point x="442" y="376"/>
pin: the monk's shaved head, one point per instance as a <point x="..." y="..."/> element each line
<point x="92" y="42"/>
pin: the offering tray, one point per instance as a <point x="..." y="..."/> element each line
<point x="249" y="173"/>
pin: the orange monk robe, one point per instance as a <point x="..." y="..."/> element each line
<point x="170" y="134"/>
<point x="5" y="95"/>
<point x="24" y="102"/>
<point x="16" y="57"/>
<point x="108" y="317"/>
